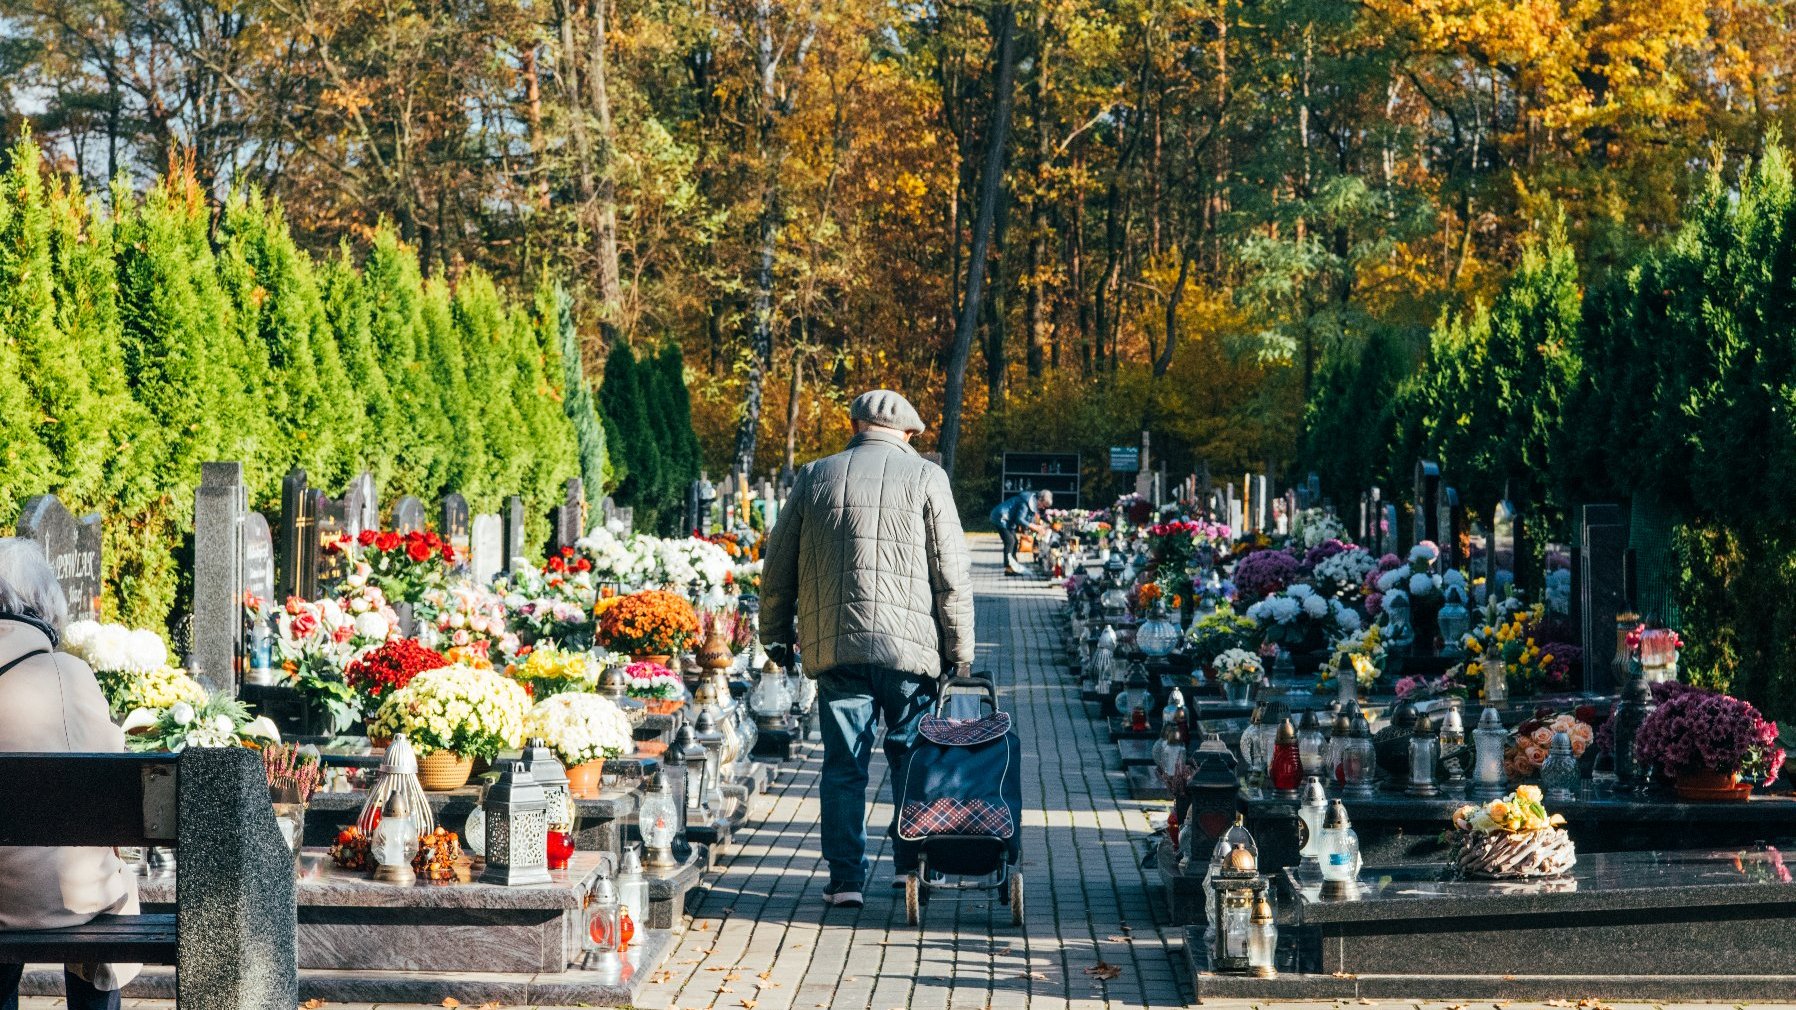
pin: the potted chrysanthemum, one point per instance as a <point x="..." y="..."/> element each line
<point x="583" y="730"/>
<point x="453" y="715"/>
<point x="1714" y="746"/>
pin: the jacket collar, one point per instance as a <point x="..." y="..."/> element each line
<point x="891" y="438"/>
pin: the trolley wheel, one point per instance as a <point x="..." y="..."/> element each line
<point x="913" y="900"/>
<point x="1016" y="899"/>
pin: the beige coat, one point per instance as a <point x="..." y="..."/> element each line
<point x="47" y="704"/>
<point x="869" y="562"/>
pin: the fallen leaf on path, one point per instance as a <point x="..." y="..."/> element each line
<point x="1120" y="939"/>
<point x="491" y="1005"/>
<point x="764" y="976"/>
<point x="1104" y="970"/>
<point x="724" y="988"/>
<point x="750" y="1003"/>
<point x="732" y="976"/>
<point x="311" y="1004"/>
<point x="451" y="1002"/>
<point x="1034" y="976"/>
<point x="1004" y="952"/>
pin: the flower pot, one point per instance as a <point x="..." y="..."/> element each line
<point x="666" y="661"/>
<point x="584" y="779"/>
<point x="1235" y="691"/>
<point x="1704" y="786"/>
<point x="441" y="770"/>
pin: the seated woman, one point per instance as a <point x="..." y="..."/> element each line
<point x="50" y="701"/>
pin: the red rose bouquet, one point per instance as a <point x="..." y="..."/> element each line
<point x="406" y="565"/>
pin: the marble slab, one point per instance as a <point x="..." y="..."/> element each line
<point x="1145" y="784"/>
<point x="1136" y="752"/>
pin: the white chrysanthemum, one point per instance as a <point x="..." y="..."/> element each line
<point x="1421" y="584"/>
<point x="1392" y="579"/>
<point x="581" y="727"/>
<point x="1314" y="605"/>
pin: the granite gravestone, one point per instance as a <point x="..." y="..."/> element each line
<point x="486" y="552"/>
<point x="1505" y="533"/>
<point x="1602" y="543"/>
<point x="1428" y="502"/>
<point x="515" y="553"/>
<point x="331" y="541"/>
<point x="1314" y="484"/>
<point x="1451" y="522"/>
<point x="74" y="557"/>
<point x="258" y="581"/>
<point x="408" y="515"/>
<point x="455" y="526"/>
<point x="298" y="549"/>
<point x="216" y="650"/>
<point x="570" y="516"/>
<point x="360" y="508"/>
<point x="1388" y="530"/>
<point x="1262" y="503"/>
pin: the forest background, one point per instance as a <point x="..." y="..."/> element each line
<point x="1280" y="234"/>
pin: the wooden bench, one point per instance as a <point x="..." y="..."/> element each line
<point x="232" y="937"/>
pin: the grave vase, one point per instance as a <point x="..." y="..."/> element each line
<point x="1702" y="786"/>
<point x="715" y="653"/>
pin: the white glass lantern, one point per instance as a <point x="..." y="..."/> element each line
<point x="398" y="775"/>
<point x="1359" y="760"/>
<point x="1496" y="683"/>
<point x="1424" y="754"/>
<point x="1488" y="777"/>
<point x="394" y="844"/>
<point x="1340" y="854"/>
<point x="1559" y="773"/>
<point x="1310" y="815"/>
<point x="1310" y="741"/>
<point x="604" y="934"/>
<point x="1157" y="636"/>
<point x="658" y="821"/>
<point x="517" y="830"/>
<point x="771" y="699"/>
<point x="1452" y="744"/>
<point x="632" y="884"/>
<point x="1262" y="940"/>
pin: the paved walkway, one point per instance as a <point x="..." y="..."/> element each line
<point x="763" y="940"/>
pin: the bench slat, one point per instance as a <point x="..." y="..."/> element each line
<point x="87" y="799"/>
<point x="145" y="939"/>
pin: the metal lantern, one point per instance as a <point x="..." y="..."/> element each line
<point x="548" y="772"/>
<point x="603" y="939"/>
<point x="1488" y="777"/>
<point x="1211" y="794"/>
<point x="1559" y="773"/>
<point x="1359" y="760"/>
<point x="1157" y="635"/>
<point x="1424" y="754"/>
<point x="615" y="685"/>
<point x="1262" y="939"/>
<point x="398" y="775"/>
<point x="1310" y="815"/>
<point x="712" y="738"/>
<point x="395" y="842"/>
<point x="1114" y="602"/>
<point x="1310" y="741"/>
<point x="1235" y="837"/>
<point x="1340" y="854"/>
<point x="693" y="757"/>
<point x="517" y="830"/>
<point x="1237" y="887"/>
<point x="1636" y="705"/>
<point x="1135" y="700"/>
<point x="658" y="821"/>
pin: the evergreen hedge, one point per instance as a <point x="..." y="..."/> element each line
<point x="138" y="345"/>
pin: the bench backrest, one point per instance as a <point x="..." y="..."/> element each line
<point x="89" y="799"/>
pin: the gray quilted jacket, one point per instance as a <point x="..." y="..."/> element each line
<point x="869" y="560"/>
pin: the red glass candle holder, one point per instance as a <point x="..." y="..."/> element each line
<point x="561" y="849"/>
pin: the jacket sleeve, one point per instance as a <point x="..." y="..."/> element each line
<point x="950" y="570"/>
<point x="779" y="571"/>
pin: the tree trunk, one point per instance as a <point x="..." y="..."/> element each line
<point x="1164" y="361"/>
<point x="793" y="392"/>
<point x="760" y="336"/>
<point x="605" y="228"/>
<point x="1035" y="302"/>
<point x="990" y="185"/>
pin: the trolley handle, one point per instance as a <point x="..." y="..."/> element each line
<point x="980" y="683"/>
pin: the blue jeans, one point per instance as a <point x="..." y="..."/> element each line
<point x="851" y="697"/>
<point x="82" y="996"/>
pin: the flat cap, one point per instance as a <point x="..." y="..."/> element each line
<point x="886" y="409"/>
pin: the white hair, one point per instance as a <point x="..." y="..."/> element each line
<point x="28" y="585"/>
<point x="1045" y="497"/>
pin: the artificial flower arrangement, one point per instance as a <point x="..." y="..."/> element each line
<point x="1696" y="734"/>
<point x="653" y="622"/>
<point x="405" y="565"/>
<point x="1364" y="651"/>
<point x="1510" y="838"/>
<point x="1415" y="688"/>
<point x="218" y="721"/>
<point x="581" y="727"/>
<point x="650" y="681"/>
<point x="1533" y="741"/>
<point x="1238" y="666"/>
<point x="1219" y="631"/>
<point x="688" y="564"/>
<point x="1312" y="526"/>
<point x="1264" y="573"/>
<point x="388" y="667"/>
<point x="316" y="639"/>
<point x="1535" y="654"/>
<point x="1302" y="620"/>
<point x="468" y="617"/>
<point x="548" y="605"/>
<point x="546" y="671"/>
<point x="461" y="709"/>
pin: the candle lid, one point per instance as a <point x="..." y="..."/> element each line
<point x="1337" y="816"/>
<point x="1286" y="734"/>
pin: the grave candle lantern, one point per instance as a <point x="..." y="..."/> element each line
<point x="546" y="769"/>
<point x="1262" y="941"/>
<point x="1337" y="744"/>
<point x="1346" y="683"/>
<point x="1487" y="744"/>
<point x="1286" y="771"/>
<point x="1175" y="707"/>
<point x="1340" y="854"/>
<point x="1310" y="815"/>
<point x="1235" y="887"/>
<point x="1310" y="742"/>
<point x="1359" y="760"/>
<point x="394" y="844"/>
<point x="712" y="739"/>
<point x="1157" y="635"/>
<point x="658" y="821"/>
<point x="1559" y="773"/>
<point x="1424" y="752"/>
<point x="517" y="830"/>
<point x="604" y="934"/>
<point x="632" y="885"/>
<point x="1496" y="686"/>
<point x="1136" y="698"/>
<point x="1452" y="743"/>
<point x="1636" y="705"/>
<point x="398" y="775"/>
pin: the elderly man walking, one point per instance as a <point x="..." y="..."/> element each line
<point x="867" y="572"/>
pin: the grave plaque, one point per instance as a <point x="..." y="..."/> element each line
<point x="215" y="652"/>
<point x="1262" y="503"/>
<point x="1451" y="521"/>
<point x="1602" y="542"/>
<point x="360" y="509"/>
<point x="515" y="553"/>
<point x="330" y="541"/>
<point x="1427" y="503"/>
<point x="408" y="515"/>
<point x="571" y="515"/>
<point x="455" y="526"/>
<point x="76" y="565"/>
<point x="258" y="556"/>
<point x="486" y="552"/>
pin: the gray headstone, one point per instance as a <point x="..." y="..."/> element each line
<point x="77" y="565"/>
<point x="455" y="526"/>
<point x="298" y="561"/>
<point x="1452" y="518"/>
<point x="1505" y="530"/>
<point x="570" y="517"/>
<point x="1388" y="531"/>
<point x="219" y="506"/>
<point x="486" y="552"/>
<point x="1314" y="487"/>
<point x="1262" y="502"/>
<point x="87" y="584"/>
<point x="237" y="922"/>
<point x="408" y="515"/>
<point x="515" y="552"/>
<point x="258" y="557"/>
<point x="1427" y="502"/>
<point x="331" y="541"/>
<point x="1602" y="545"/>
<point x="361" y="510"/>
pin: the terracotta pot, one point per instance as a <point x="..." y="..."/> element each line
<point x="440" y="771"/>
<point x="666" y="661"/>
<point x="663" y="706"/>
<point x="584" y="779"/>
<point x="1703" y="786"/>
<point x="715" y="654"/>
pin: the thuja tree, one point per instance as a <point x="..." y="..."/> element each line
<point x="635" y="452"/>
<point x="423" y="444"/>
<point x="1349" y="423"/>
<point x="537" y="392"/>
<point x="559" y="341"/>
